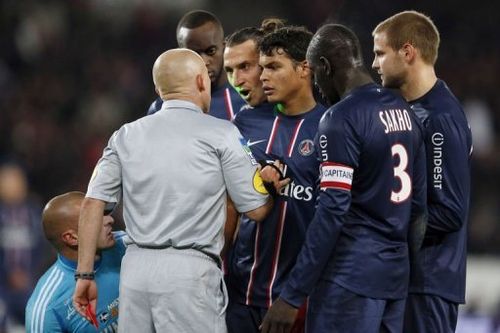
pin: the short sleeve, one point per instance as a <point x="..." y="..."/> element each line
<point x="106" y="181"/>
<point x="239" y="168"/>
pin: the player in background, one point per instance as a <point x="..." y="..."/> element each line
<point x="202" y="32"/>
<point x="241" y="63"/>
<point x="50" y="308"/>
<point x="264" y="253"/>
<point x="354" y="264"/>
<point x="406" y="49"/>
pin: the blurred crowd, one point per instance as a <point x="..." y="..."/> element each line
<point x="71" y="72"/>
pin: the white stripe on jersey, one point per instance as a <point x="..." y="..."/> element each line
<point x="276" y="255"/>
<point x="254" y="266"/>
<point x="272" y="134"/>
<point x="229" y="104"/>
<point x="295" y="135"/>
<point x="39" y="298"/>
<point x="48" y="290"/>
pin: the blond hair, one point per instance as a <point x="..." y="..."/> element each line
<point x="414" y="28"/>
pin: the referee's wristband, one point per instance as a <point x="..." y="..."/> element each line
<point x="84" y="275"/>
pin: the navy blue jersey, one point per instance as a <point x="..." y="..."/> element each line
<point x="226" y="102"/>
<point x="372" y="183"/>
<point x="440" y="267"/>
<point x="265" y="252"/>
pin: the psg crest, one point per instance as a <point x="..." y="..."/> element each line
<point x="306" y="147"/>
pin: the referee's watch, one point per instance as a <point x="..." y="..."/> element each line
<point x="84" y="275"/>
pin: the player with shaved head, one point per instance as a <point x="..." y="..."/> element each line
<point x="173" y="170"/>
<point x="50" y="308"/>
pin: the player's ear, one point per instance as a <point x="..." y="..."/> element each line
<point x="327" y="67"/>
<point x="408" y="52"/>
<point x="70" y="237"/>
<point x="305" y="69"/>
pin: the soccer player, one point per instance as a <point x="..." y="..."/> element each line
<point x="354" y="263"/>
<point x="50" y="308"/>
<point x="202" y="32"/>
<point x="174" y="202"/>
<point x="406" y="49"/>
<point x="264" y="253"/>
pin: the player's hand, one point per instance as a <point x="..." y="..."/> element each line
<point x="279" y="318"/>
<point x="85" y="298"/>
<point x="273" y="174"/>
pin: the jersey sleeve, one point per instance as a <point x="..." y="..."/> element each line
<point x="339" y="149"/>
<point x="40" y="321"/>
<point x="106" y="180"/>
<point x="240" y="173"/>
<point x="448" y="171"/>
<point x="418" y="218"/>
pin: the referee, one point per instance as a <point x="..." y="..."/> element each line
<point x="173" y="170"/>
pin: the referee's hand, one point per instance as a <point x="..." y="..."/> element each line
<point x="85" y="299"/>
<point x="279" y="318"/>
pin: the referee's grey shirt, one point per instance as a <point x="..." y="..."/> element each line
<point x="173" y="169"/>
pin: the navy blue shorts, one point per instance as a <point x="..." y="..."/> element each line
<point x="334" y="309"/>
<point x="429" y="313"/>
<point x="241" y="318"/>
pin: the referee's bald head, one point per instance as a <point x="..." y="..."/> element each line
<point x="182" y="74"/>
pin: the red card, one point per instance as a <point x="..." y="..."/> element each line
<point x="92" y="316"/>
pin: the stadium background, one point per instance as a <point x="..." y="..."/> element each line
<point x="73" y="71"/>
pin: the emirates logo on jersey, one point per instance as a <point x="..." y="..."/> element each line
<point x="306" y="147"/>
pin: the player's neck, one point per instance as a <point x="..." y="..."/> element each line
<point x="301" y="102"/>
<point x="72" y="254"/>
<point x="355" y="78"/>
<point x="221" y="82"/>
<point x="418" y="83"/>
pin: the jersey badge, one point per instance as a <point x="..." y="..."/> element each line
<point x="306" y="147"/>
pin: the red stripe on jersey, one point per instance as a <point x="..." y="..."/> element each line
<point x="276" y="254"/>
<point x="229" y="104"/>
<point x="335" y="185"/>
<point x="294" y="138"/>
<point x="272" y="135"/>
<point x="254" y="266"/>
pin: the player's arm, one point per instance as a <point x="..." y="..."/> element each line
<point x="339" y="151"/>
<point x="448" y="168"/>
<point x="42" y="320"/>
<point x="418" y="219"/>
<point x="230" y="227"/>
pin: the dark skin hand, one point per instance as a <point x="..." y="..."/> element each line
<point x="279" y="318"/>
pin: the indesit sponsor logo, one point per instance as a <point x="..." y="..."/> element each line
<point x="437" y="160"/>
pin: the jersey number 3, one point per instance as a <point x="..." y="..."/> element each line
<point x="400" y="173"/>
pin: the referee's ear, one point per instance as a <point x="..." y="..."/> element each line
<point x="70" y="238"/>
<point x="200" y="83"/>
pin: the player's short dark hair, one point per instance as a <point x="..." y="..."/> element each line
<point x="292" y="40"/>
<point x="252" y="33"/>
<point x="338" y="43"/>
<point x="414" y="28"/>
<point x="197" y="18"/>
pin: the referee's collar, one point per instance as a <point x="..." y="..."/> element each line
<point x="180" y="103"/>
